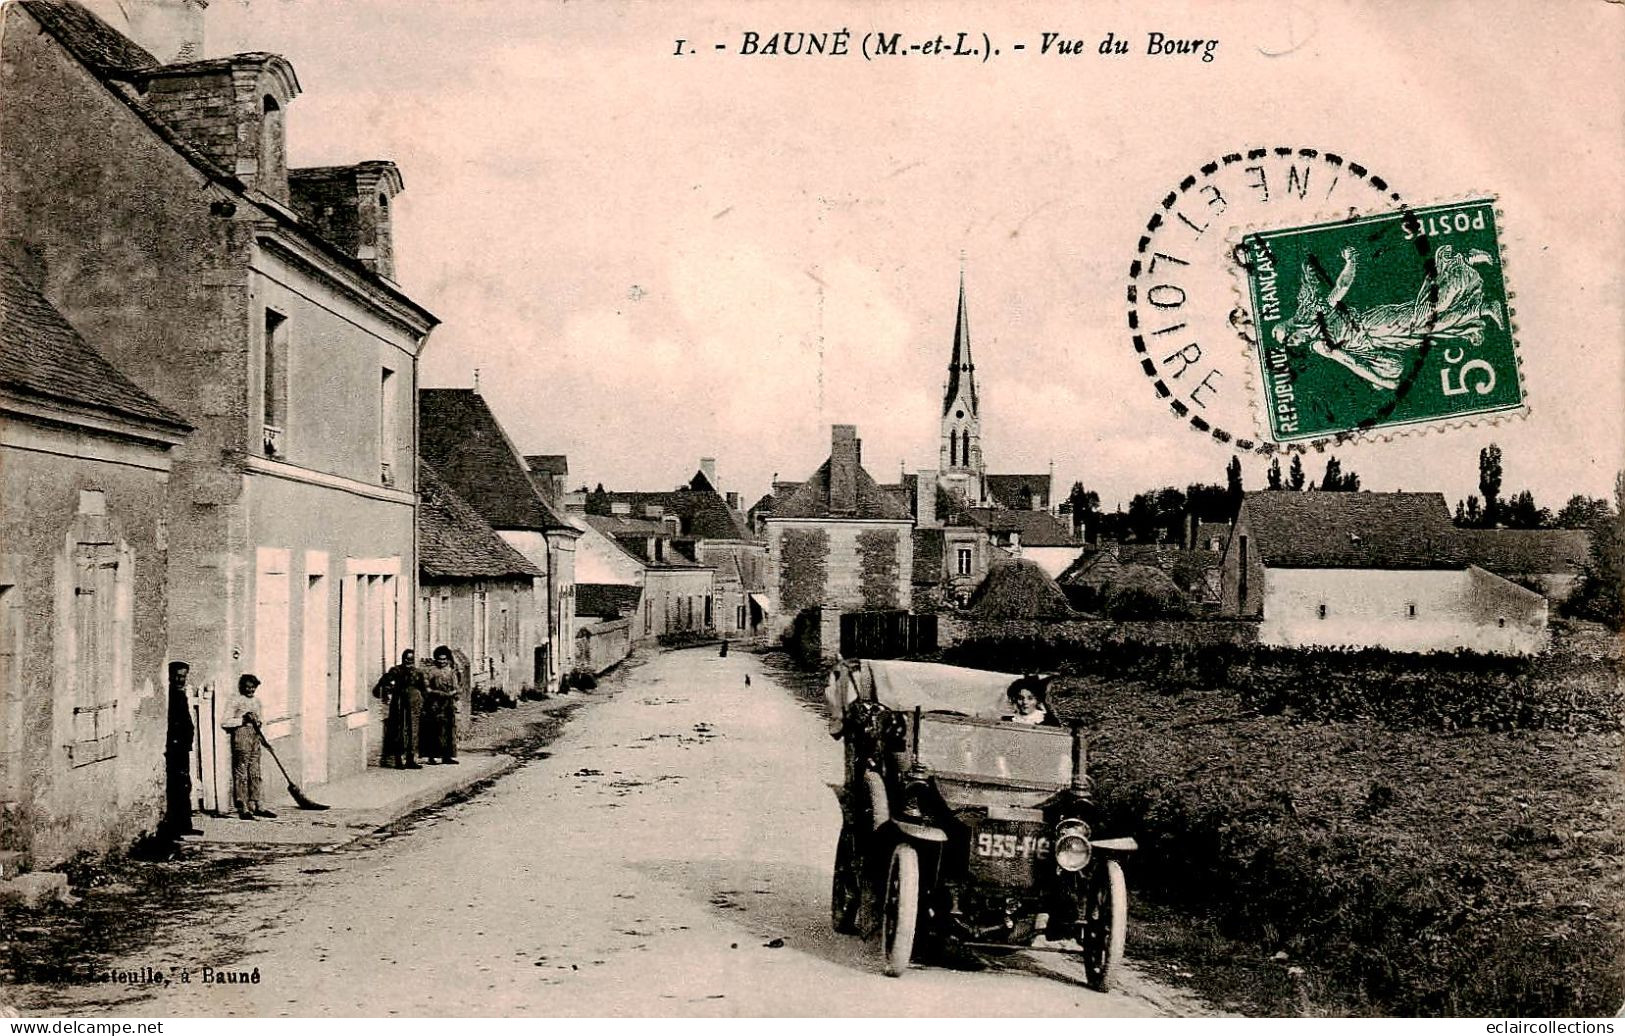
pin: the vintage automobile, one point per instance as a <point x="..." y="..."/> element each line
<point x="962" y="829"/>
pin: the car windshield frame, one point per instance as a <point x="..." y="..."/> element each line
<point x="981" y="739"/>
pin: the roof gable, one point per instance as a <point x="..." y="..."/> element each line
<point x="462" y="439"/>
<point x="42" y="355"/>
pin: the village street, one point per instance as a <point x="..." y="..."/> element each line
<point x="669" y="855"/>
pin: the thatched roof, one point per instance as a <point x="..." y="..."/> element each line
<point x="1019" y="589"/>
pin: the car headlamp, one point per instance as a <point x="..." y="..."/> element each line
<point x="1072" y="849"/>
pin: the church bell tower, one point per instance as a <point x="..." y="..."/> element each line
<point x="960" y="460"/>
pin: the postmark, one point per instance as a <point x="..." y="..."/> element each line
<point x="1399" y="318"/>
<point x="1191" y="331"/>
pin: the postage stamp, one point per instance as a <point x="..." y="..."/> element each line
<point x="1393" y="319"/>
<point x="1191" y="329"/>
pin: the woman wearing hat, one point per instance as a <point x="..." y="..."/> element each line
<point x="243" y="720"/>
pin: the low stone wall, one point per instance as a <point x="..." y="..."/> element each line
<point x="603" y="644"/>
<point x="953" y="629"/>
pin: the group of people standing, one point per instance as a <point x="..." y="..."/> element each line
<point x="423" y="703"/>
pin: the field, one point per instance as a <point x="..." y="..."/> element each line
<point x="1323" y="834"/>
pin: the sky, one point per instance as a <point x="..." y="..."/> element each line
<point x="652" y="258"/>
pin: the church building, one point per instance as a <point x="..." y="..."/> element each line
<point x="968" y="517"/>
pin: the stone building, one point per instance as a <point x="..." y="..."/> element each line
<point x="1370" y="570"/>
<point x="838" y="542"/>
<point x="711" y="529"/>
<point x="677" y="593"/>
<point x="475" y="593"/>
<point x="85" y="464"/>
<point x="261" y="303"/>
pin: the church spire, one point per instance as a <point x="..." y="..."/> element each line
<point x="960" y="367"/>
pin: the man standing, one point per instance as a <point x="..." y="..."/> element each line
<point x="243" y="720"/>
<point x="402" y="688"/>
<point x="440" y="725"/>
<point x="178" y="758"/>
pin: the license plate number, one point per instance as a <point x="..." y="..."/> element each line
<point x="1005" y="846"/>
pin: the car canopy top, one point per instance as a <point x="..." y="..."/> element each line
<point x="930" y="686"/>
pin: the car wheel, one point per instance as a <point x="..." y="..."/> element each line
<point x="846" y="890"/>
<point x="1103" y="919"/>
<point x="902" y="911"/>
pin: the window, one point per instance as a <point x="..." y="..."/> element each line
<point x="739" y="618"/>
<point x="1320" y="611"/>
<point x="1410" y="609"/>
<point x="275" y="374"/>
<point x="1241" y="579"/>
<point x="708" y="618"/>
<point x="648" y="616"/>
<point x="962" y="564"/>
<point x="386" y="427"/>
<point x="273" y="165"/>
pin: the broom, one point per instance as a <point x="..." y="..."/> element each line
<point x="300" y="798"/>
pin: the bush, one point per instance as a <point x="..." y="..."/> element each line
<point x="1439" y="691"/>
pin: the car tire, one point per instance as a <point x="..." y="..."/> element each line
<point x="1103" y="919"/>
<point x="902" y="912"/>
<point x="846" y="884"/>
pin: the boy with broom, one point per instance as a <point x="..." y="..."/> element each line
<point x="243" y="720"/>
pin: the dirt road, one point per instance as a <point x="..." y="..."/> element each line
<point x="669" y="855"/>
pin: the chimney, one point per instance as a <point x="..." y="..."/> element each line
<point x="708" y="468"/>
<point x="925" y="498"/>
<point x="169" y="30"/>
<point x="843" y="469"/>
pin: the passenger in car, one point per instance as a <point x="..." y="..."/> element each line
<point x="1029" y="702"/>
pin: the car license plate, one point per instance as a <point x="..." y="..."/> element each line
<point x="1011" y="845"/>
<point x="1008" y="854"/>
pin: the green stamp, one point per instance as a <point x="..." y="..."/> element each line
<point x="1382" y="321"/>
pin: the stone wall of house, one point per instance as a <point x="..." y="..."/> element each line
<point x="838" y="565"/>
<point x="65" y="493"/>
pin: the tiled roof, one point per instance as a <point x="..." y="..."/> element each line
<point x="1527" y="551"/>
<point x="102" y="48"/>
<point x="460" y="436"/>
<point x="700" y="509"/>
<point x="454" y="542"/>
<point x="929" y="544"/>
<point x="632" y="535"/>
<point x="599" y="599"/>
<point x="115" y="60"/>
<point x="811" y="500"/>
<point x="1352" y="530"/>
<point x="1037" y="528"/>
<point x="1006" y="490"/>
<point x="42" y="355"/>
